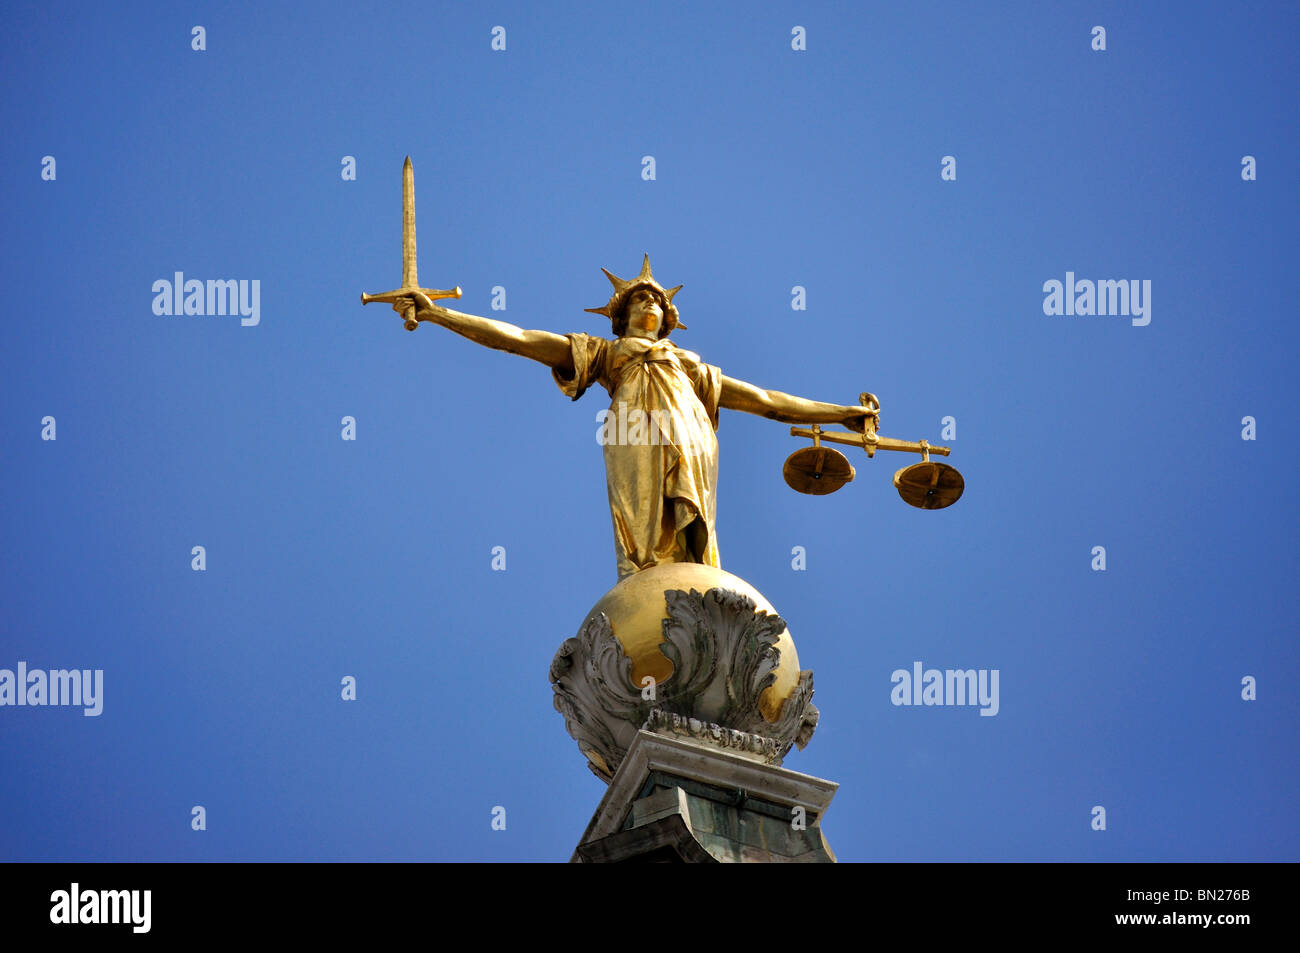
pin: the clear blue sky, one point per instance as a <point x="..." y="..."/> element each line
<point x="774" y="168"/>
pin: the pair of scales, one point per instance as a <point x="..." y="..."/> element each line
<point x="818" y="470"/>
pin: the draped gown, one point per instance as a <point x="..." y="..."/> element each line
<point x="662" y="476"/>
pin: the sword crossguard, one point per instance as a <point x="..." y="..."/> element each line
<point x="401" y="294"/>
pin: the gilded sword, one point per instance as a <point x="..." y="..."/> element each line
<point x="410" y="275"/>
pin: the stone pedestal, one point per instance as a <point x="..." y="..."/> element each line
<point x="687" y="792"/>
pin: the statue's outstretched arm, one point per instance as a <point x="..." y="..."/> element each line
<point x="543" y="346"/>
<point x="740" y="395"/>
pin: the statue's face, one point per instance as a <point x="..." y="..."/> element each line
<point x="644" y="314"/>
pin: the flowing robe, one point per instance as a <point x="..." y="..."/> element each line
<point x="660" y="444"/>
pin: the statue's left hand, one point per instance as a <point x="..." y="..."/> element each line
<point x="857" y="418"/>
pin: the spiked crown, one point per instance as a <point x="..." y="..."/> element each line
<point x="623" y="290"/>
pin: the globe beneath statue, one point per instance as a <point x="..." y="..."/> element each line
<point x="689" y="641"/>
<point x="636" y="609"/>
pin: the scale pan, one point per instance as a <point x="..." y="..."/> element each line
<point x="817" y="470"/>
<point x="929" y="485"/>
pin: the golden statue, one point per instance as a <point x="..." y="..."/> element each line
<point x="661" y="459"/>
<point x="662" y="475"/>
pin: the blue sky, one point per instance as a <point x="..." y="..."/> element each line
<point x="773" y="168"/>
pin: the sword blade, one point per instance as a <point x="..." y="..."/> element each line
<point x="409" y="275"/>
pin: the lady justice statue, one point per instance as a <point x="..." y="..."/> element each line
<point x="710" y="647"/>
<point x="662" y="472"/>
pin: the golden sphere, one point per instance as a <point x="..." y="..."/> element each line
<point x="636" y="610"/>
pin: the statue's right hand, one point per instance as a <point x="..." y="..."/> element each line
<point x="415" y="299"/>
